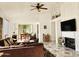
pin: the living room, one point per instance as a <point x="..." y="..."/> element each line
<point x="26" y="17"/>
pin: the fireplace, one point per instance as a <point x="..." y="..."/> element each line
<point x="70" y="43"/>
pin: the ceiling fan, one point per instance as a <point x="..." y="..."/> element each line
<point x="38" y="6"/>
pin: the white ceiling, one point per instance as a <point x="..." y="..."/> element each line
<point x="22" y="10"/>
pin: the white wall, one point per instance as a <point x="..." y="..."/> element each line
<point x="5" y="28"/>
<point x="14" y="27"/>
<point x="57" y="29"/>
<point x="53" y="31"/>
<point x="77" y="41"/>
<point x="43" y="19"/>
<point x="70" y="11"/>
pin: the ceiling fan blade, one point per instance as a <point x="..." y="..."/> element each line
<point x="33" y="8"/>
<point x="44" y="8"/>
<point x="41" y="5"/>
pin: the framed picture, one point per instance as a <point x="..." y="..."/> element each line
<point x="45" y="27"/>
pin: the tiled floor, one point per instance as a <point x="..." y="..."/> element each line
<point x="61" y="51"/>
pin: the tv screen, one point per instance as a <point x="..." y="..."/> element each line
<point x="69" y="25"/>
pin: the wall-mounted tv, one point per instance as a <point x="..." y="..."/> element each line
<point x="69" y="25"/>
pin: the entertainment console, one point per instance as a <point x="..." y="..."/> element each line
<point x="68" y="29"/>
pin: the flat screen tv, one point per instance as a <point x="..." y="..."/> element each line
<point x="69" y="25"/>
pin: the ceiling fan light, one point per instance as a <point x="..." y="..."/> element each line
<point x="39" y="6"/>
